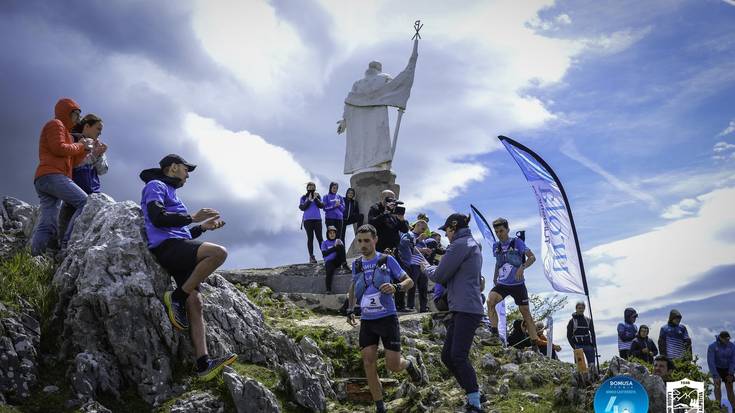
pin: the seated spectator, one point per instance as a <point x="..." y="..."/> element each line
<point x="57" y="154"/>
<point x="543" y="342"/>
<point x="333" y="251"/>
<point x="673" y="339"/>
<point x="352" y="215"/>
<point x="518" y="337"/>
<point x="627" y="331"/>
<point x="86" y="175"/>
<point x="186" y="259"/>
<point x="334" y="208"/>
<point x="643" y="347"/>
<point x="721" y="363"/>
<point x="662" y="367"/>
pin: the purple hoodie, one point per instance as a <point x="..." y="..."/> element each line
<point x="311" y="208"/>
<point x="331" y="210"/>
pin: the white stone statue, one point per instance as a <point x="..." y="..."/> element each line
<point x="365" y="116"/>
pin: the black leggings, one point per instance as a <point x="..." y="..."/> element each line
<point x="420" y="281"/>
<point x="456" y="352"/>
<point x="313" y="226"/>
<point x="332" y="265"/>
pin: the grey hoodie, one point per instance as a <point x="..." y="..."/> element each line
<point x="459" y="270"/>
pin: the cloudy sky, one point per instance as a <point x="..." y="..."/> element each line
<point x="631" y="102"/>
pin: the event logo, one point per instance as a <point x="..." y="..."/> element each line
<point x="621" y="394"/>
<point x="685" y="396"/>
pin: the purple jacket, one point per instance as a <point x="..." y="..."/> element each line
<point x="331" y="210"/>
<point x="311" y="208"/>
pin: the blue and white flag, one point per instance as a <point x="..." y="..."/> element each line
<point x="487" y="233"/>
<point x="559" y="245"/>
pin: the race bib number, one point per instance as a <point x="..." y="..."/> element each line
<point x="371" y="303"/>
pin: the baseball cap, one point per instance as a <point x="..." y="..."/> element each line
<point x="172" y="158"/>
<point x="456" y="220"/>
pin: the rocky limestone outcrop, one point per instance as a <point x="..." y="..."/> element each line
<point x="114" y="332"/>
<point x="248" y="395"/>
<point x="20" y="336"/>
<point x="17" y="220"/>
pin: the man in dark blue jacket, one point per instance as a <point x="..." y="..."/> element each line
<point x="175" y="247"/>
<point x="627" y="331"/>
<point x="460" y="271"/>
<point x="673" y="339"/>
<point x="721" y="363"/>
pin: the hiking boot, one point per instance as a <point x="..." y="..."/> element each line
<point x="312" y="260"/>
<point x="413" y="370"/>
<point x="215" y="366"/>
<point x="176" y="312"/>
<point x="468" y="408"/>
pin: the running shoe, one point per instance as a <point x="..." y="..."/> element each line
<point x="176" y="312"/>
<point x="215" y="366"/>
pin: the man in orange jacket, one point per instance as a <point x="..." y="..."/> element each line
<point x="57" y="155"/>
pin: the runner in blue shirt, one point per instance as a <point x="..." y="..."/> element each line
<point x="375" y="278"/>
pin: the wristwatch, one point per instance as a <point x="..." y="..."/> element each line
<point x="397" y="287"/>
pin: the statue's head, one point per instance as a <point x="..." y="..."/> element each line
<point x="374" y="68"/>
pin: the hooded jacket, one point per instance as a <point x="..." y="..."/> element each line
<point x="673" y="340"/>
<point x="721" y="356"/>
<point x="459" y="271"/>
<point x="311" y="208"/>
<point x="627" y="330"/>
<point x="164" y="214"/>
<point x="639" y="343"/>
<point x="86" y="175"/>
<point x="57" y="152"/>
<point x="351" y="213"/>
<point x="331" y="209"/>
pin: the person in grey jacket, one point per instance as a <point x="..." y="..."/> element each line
<point x="459" y="271"/>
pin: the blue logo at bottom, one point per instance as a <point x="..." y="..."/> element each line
<point x="621" y="394"/>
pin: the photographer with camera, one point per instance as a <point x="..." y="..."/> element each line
<point x="721" y="363"/>
<point x="387" y="216"/>
<point x="311" y="203"/>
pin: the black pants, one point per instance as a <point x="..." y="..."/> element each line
<point x="332" y="265"/>
<point x="456" y="352"/>
<point x="337" y="223"/>
<point x="420" y="281"/>
<point x="313" y="226"/>
<point x="360" y="219"/>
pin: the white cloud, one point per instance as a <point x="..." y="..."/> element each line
<point x="650" y="266"/>
<point x="728" y="130"/>
<point x="686" y="207"/>
<point x="570" y="150"/>
<point x="617" y="41"/>
<point x="723" y="151"/>
<point x="253" y="171"/>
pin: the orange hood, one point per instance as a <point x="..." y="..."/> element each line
<point x="63" y="109"/>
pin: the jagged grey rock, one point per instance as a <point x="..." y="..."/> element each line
<point x="198" y="402"/>
<point x="117" y="332"/>
<point x="19" y="216"/>
<point x="93" y="407"/>
<point x="489" y="362"/>
<point x="20" y="336"/>
<point x="510" y="368"/>
<point x="654" y="385"/>
<point x="249" y="395"/>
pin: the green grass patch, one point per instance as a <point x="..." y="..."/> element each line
<point x="274" y="307"/>
<point x="265" y="376"/>
<point x="27" y="277"/>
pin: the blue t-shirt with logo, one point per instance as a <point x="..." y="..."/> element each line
<point x="507" y="272"/>
<point x="374" y="304"/>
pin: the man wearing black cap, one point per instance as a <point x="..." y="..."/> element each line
<point x="721" y="363"/>
<point x="460" y="272"/>
<point x="189" y="261"/>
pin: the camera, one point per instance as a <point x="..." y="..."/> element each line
<point x="399" y="210"/>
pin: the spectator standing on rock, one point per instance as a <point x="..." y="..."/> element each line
<point x="334" y="208"/>
<point x="57" y="155"/>
<point x="627" y="331"/>
<point x="459" y="271"/>
<point x="333" y="251"/>
<point x="352" y="213"/>
<point x="721" y="363"/>
<point x="673" y="339"/>
<point x="581" y="332"/>
<point x="387" y="222"/>
<point x="175" y="247"/>
<point x="86" y="175"/>
<point x="311" y="203"/>
<point x="643" y="347"/>
<point x="512" y="259"/>
<point x="411" y="250"/>
<point x="375" y="278"/>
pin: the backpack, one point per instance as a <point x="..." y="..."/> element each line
<point x="361" y="282"/>
<point x="511" y="248"/>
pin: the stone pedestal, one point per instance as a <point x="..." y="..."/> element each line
<point x="368" y="186"/>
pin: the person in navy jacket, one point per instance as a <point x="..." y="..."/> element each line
<point x="627" y="331"/>
<point x="721" y="363"/>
